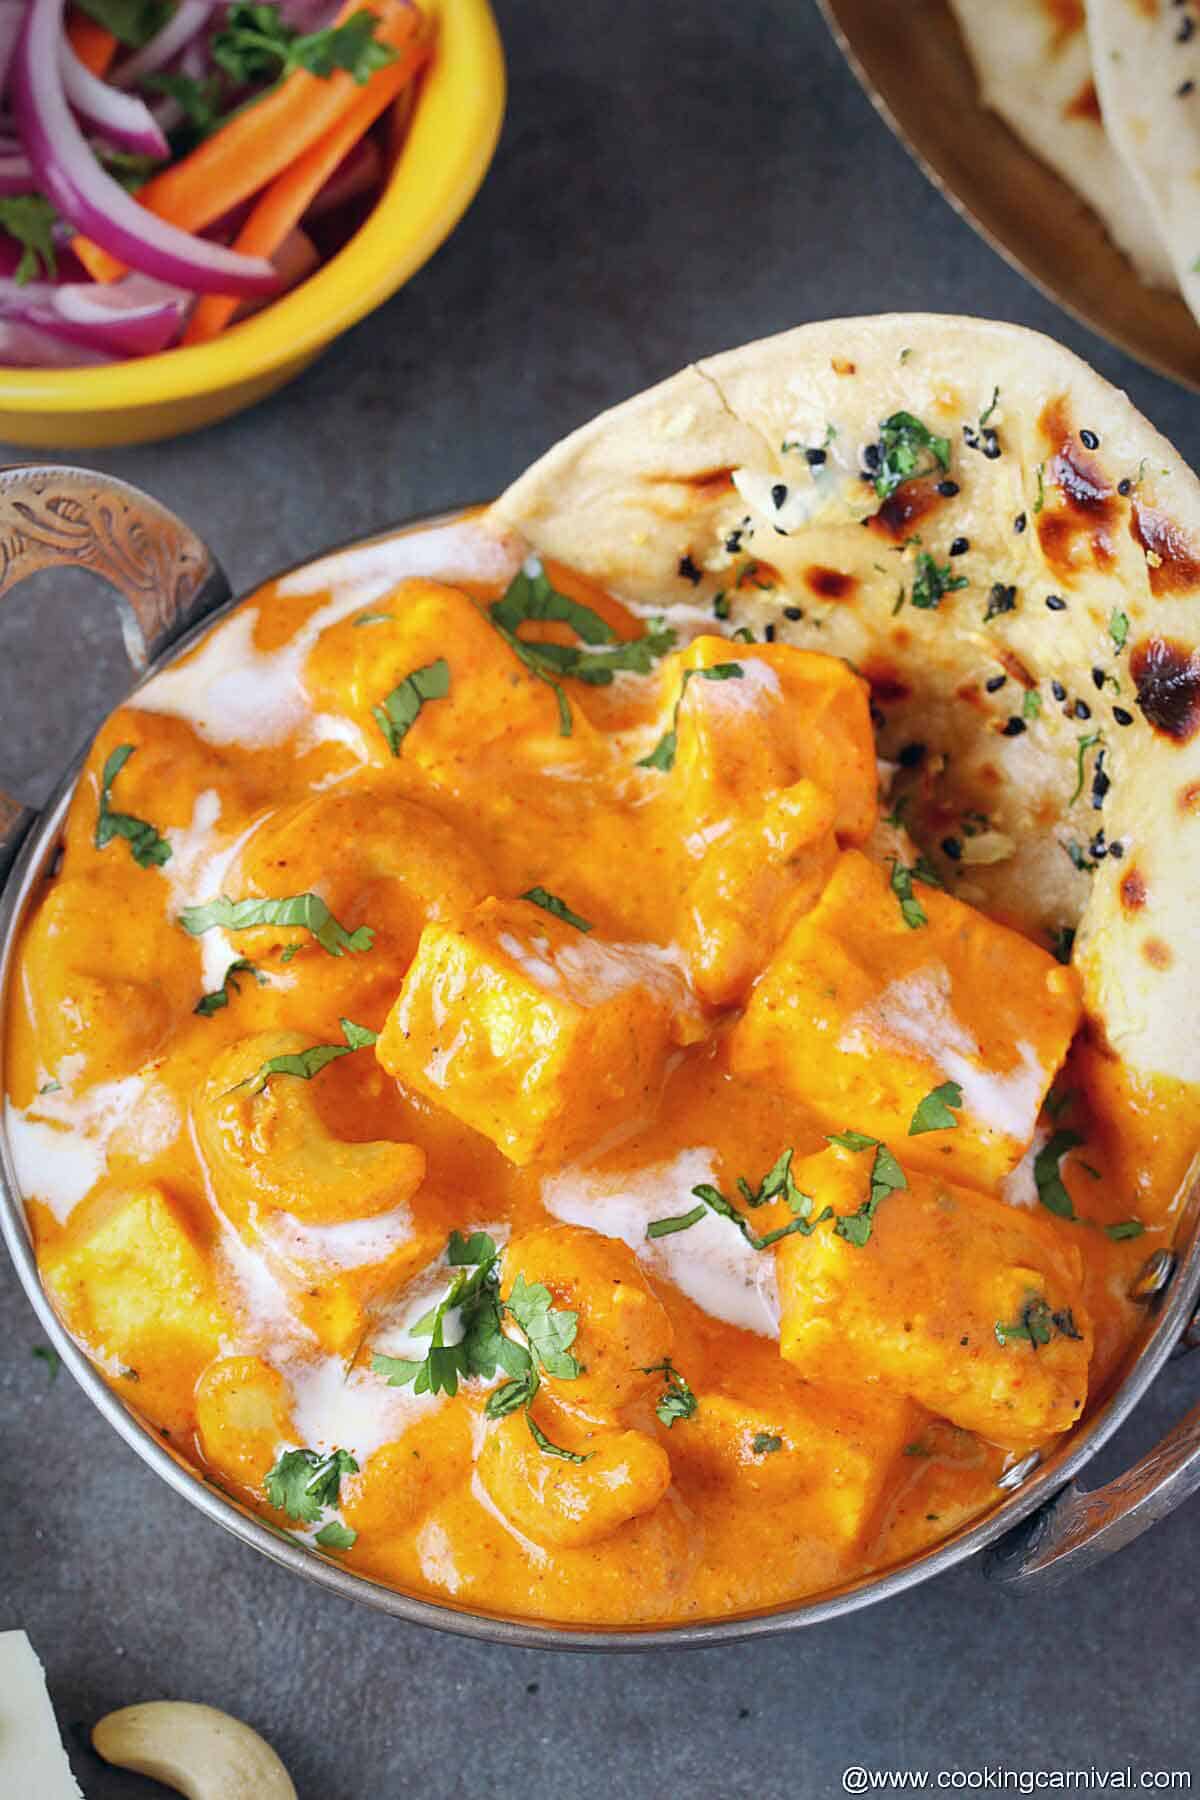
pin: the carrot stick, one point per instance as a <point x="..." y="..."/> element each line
<point x="289" y="196"/>
<point x="93" y="45"/>
<point x="258" y="143"/>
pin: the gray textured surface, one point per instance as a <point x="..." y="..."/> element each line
<point x="671" y="180"/>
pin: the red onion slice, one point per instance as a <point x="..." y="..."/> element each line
<point x="27" y="347"/>
<point x="133" y="317"/>
<point x="96" y="205"/>
<point x="121" y="119"/>
<point x="11" y="14"/>
<point x="186" y="22"/>
<point x="16" y="173"/>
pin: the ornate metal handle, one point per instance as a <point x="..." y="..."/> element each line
<point x="1074" y="1531"/>
<point x="165" y="577"/>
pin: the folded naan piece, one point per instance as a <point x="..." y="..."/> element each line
<point x="1034" y="65"/>
<point x="1008" y="553"/>
<point x="1147" y="60"/>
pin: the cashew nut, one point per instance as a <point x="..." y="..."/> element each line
<point x="202" y="1753"/>
<point x="274" y="1149"/>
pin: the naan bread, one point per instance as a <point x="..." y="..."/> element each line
<point x="1034" y="66"/>
<point x="1061" y="730"/>
<point x="1147" y="57"/>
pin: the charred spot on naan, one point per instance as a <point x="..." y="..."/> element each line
<point x="910" y="505"/>
<point x="1076" y="532"/>
<point x="831" y="584"/>
<point x="1172" y="559"/>
<point x="1166" y="675"/>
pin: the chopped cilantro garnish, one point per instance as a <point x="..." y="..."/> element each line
<point x="1031" y="706"/>
<point x="677" y="1401"/>
<point x="1118" y="628"/>
<point x="30" y="219"/>
<point x="1062" y="942"/>
<point x="215" y="1002"/>
<point x="990" y="408"/>
<point x="663" y="754"/>
<point x="148" y="849"/>
<point x="374" y="618"/>
<point x="1037" y="1324"/>
<point x="659" y="1228"/>
<point x="51" y="1358"/>
<point x="1040" y="502"/>
<point x="1047" y="1174"/>
<point x="886" y="1178"/>
<point x="474" y="1294"/>
<point x="1125" y="1228"/>
<point x="932" y="580"/>
<point x="200" y="100"/>
<point x="1084" y="744"/>
<point x="398" y="713"/>
<point x="307" y="1063"/>
<point x="132" y="22"/>
<point x="336" y="1536"/>
<point x="255" y="43"/>
<point x="766" y="1443"/>
<point x="776" y="1184"/>
<point x="531" y="595"/>
<point x="303" y="1483"/>
<point x="307" y="911"/>
<point x="551" y="903"/>
<point x="911" y="910"/>
<point x="934" y="1114"/>
<point x="906" y="448"/>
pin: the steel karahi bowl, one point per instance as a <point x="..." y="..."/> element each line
<point x="1042" y="1526"/>
<point x="913" y="65"/>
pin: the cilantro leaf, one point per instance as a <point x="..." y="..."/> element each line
<point x="550" y="1331"/>
<point x="1037" y="1324"/>
<point x="934" y="1114"/>
<point x="551" y="903"/>
<point x="932" y="580"/>
<point x="308" y="911"/>
<point x="1118" y="628"/>
<point x="1031" y="705"/>
<point x="199" y="100"/>
<point x="302" y="1483"/>
<point x="911" y="910"/>
<point x="1125" y="1228"/>
<point x="208" y="1004"/>
<point x="30" y="219"/>
<point x="1047" y="1173"/>
<point x="658" y="1228"/>
<point x="531" y="595"/>
<point x="1084" y="744"/>
<point x="549" y="1449"/>
<point x="132" y="22"/>
<point x="663" y="754"/>
<point x="307" y="1063"/>
<point x="256" y="44"/>
<point x="1062" y="942"/>
<point x="906" y="448"/>
<point x="374" y="618"/>
<point x="766" y="1443"/>
<point x="677" y="1401"/>
<point x="396" y="717"/>
<point x="887" y="1177"/>
<point x="148" y="849"/>
<point x="336" y="1536"/>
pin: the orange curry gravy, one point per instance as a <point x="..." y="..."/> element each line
<point x="577" y="985"/>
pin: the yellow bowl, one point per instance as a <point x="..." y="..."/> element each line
<point x="445" y="156"/>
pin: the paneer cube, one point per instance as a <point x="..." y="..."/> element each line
<point x="492" y="701"/>
<point x="131" y="1280"/>
<point x="821" y="1454"/>
<point x="751" y="884"/>
<point x="956" y="1300"/>
<point x="860" y="1016"/>
<point x="791" y="715"/>
<point x="533" y="1032"/>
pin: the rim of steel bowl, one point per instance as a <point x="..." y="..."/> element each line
<point x="1163" y="1329"/>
